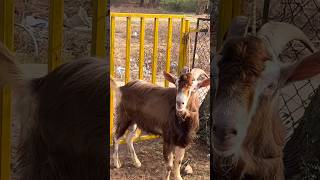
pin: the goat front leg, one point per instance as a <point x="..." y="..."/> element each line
<point x="168" y="158"/>
<point x="132" y="134"/>
<point x="178" y="157"/>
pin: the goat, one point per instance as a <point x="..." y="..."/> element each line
<point x="247" y="132"/>
<point x="169" y="112"/>
<point x="63" y="118"/>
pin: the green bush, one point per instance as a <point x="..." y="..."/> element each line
<point x="180" y="5"/>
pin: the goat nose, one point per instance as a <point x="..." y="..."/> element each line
<point x="180" y="103"/>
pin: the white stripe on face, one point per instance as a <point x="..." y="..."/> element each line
<point x="181" y="101"/>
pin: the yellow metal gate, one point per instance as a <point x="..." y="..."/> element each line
<point x="184" y="31"/>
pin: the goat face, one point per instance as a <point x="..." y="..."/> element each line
<point x="244" y="76"/>
<point x="249" y="71"/>
<point x="186" y="84"/>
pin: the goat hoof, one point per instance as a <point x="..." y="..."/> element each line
<point x="137" y="164"/>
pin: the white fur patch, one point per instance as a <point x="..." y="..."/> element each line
<point x="182" y="98"/>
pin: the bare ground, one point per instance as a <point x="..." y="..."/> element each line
<point x="153" y="167"/>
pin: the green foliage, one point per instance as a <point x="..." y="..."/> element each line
<point x="180" y="5"/>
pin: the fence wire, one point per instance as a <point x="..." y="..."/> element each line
<point x="200" y="50"/>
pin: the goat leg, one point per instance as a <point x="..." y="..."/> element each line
<point x="178" y="157"/>
<point x="132" y="134"/>
<point x="168" y="158"/>
<point x="116" y="160"/>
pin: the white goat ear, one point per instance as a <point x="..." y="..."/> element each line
<point x="169" y="77"/>
<point x="305" y="69"/>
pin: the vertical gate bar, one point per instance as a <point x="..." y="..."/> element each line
<point x="195" y="43"/>
<point x="128" y="42"/>
<point x="56" y="15"/>
<point x="181" y="54"/>
<point x="186" y="43"/>
<point x="155" y="50"/>
<point x="99" y="31"/>
<point x="141" y="55"/>
<point x="169" y="46"/>
<point x="225" y="17"/>
<point x="112" y="38"/>
<point x="5" y="133"/>
<point x="7" y="38"/>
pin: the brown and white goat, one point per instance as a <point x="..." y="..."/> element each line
<point x="169" y="112"/>
<point x="248" y="134"/>
<point x="63" y="119"/>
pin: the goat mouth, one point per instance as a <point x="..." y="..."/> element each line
<point x="223" y="152"/>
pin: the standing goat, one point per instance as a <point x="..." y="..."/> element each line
<point x="170" y="112"/>
<point x="247" y="130"/>
<point x="63" y="119"/>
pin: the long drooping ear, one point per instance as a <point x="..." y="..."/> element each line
<point x="305" y="69"/>
<point x="204" y="83"/>
<point x="169" y="77"/>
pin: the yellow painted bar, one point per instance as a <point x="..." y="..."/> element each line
<point x="139" y="138"/>
<point x="141" y="55"/>
<point x="99" y="35"/>
<point x="56" y="15"/>
<point x="169" y="46"/>
<point x="5" y="133"/>
<point x="128" y="41"/>
<point x="7" y="38"/>
<point x="140" y="15"/>
<point x="186" y="43"/>
<point x="112" y="39"/>
<point x="181" y="50"/>
<point x="225" y="17"/>
<point x="155" y="50"/>
<point x="6" y="23"/>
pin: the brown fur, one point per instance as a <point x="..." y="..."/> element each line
<point x="261" y="154"/>
<point x="242" y="63"/>
<point x="63" y="119"/>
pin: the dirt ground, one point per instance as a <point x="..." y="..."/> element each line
<point x="153" y="167"/>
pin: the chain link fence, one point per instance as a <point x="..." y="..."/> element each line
<point x="200" y="50"/>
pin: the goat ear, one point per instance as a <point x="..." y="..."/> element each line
<point x="204" y="83"/>
<point x="305" y="69"/>
<point x="169" y="77"/>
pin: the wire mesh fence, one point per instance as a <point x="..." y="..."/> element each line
<point x="200" y="48"/>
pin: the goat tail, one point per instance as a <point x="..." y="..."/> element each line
<point x="10" y="72"/>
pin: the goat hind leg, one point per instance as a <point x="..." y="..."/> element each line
<point x="115" y="156"/>
<point x="131" y="135"/>
<point x="178" y="157"/>
<point x="120" y="130"/>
